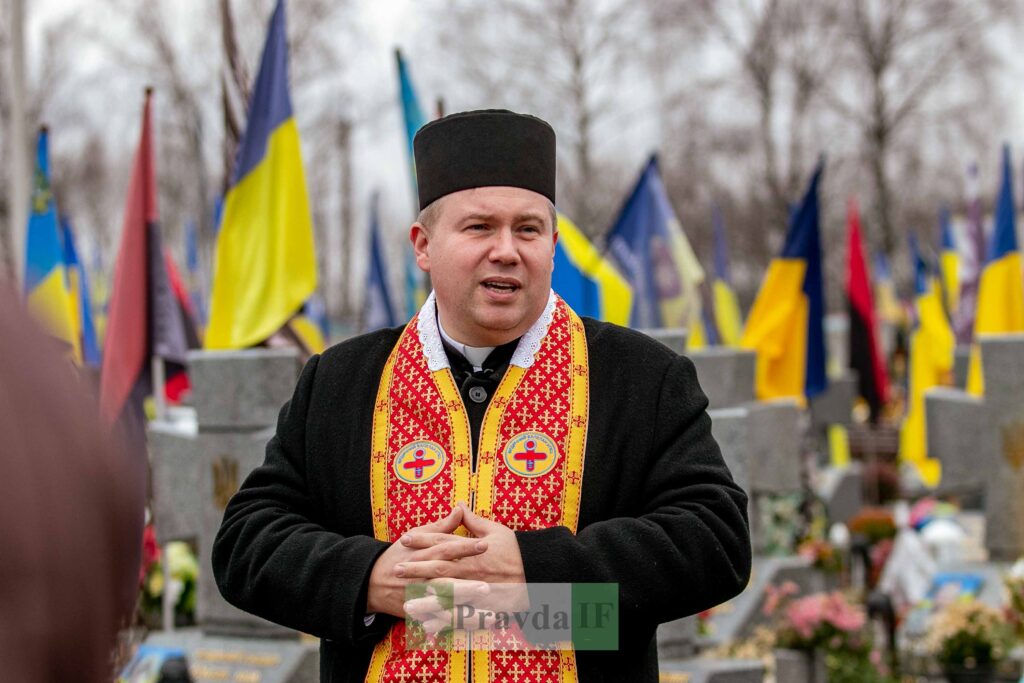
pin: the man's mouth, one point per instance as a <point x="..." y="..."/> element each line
<point x="502" y="285"/>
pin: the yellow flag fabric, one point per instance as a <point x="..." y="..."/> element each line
<point x="1000" y="310"/>
<point x="587" y="280"/>
<point x="309" y="333"/>
<point x="265" y="265"/>
<point x="839" y="446"/>
<point x="931" y="360"/>
<point x="727" y="313"/>
<point x="777" y="331"/>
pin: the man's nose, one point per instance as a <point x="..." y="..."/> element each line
<point x="504" y="248"/>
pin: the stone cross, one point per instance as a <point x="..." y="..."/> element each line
<point x="197" y="468"/>
<point x="980" y="442"/>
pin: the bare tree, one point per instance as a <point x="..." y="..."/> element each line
<point x="912" y="67"/>
<point x="562" y="59"/>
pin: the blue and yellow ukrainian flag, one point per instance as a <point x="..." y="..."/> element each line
<point x="586" y="280"/>
<point x="786" y="323"/>
<point x="265" y="265"/>
<point x="728" y="320"/>
<point x="650" y="248"/>
<point x="931" y="360"/>
<point x="889" y="309"/>
<point x="46" y="283"/>
<point x="78" y="286"/>
<point x="1001" y="290"/>
<point x="413" y="118"/>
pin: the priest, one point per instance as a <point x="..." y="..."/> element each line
<point x="495" y="439"/>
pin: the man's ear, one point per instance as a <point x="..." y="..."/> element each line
<point x="420" y="238"/>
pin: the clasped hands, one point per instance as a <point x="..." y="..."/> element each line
<point x="484" y="573"/>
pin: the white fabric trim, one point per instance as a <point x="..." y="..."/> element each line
<point x="433" y="348"/>
<point x="529" y="344"/>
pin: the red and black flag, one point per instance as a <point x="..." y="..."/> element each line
<point x="145" y="318"/>
<point x="865" y="356"/>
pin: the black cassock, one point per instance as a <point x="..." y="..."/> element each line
<point x="660" y="514"/>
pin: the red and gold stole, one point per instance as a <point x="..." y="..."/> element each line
<point x="528" y="476"/>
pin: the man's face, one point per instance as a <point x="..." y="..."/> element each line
<point x="490" y="253"/>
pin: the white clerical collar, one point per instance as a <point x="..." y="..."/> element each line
<point x="433" y="348"/>
<point x="476" y="355"/>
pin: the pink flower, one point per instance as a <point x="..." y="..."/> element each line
<point x="842" y="614"/>
<point x="805" y="615"/>
<point x="774" y="596"/>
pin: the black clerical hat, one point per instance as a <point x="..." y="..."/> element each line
<point x="484" y="148"/>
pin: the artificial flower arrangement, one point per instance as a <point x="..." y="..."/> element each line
<point x="968" y="638"/>
<point x="184" y="571"/>
<point x="830" y="623"/>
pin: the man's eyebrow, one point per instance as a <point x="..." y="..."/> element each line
<point x="519" y="218"/>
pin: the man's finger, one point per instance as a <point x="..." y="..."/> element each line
<point x="417" y="540"/>
<point x="429" y="569"/>
<point x="446" y="524"/>
<point x="477" y="525"/>
<point x="452" y="550"/>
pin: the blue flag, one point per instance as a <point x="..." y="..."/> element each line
<point x="652" y="252"/>
<point x="78" y="284"/>
<point x="378" y="311"/>
<point x="46" y="284"/>
<point x="413" y="118"/>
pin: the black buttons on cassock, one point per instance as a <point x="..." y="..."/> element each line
<point x="477" y="394"/>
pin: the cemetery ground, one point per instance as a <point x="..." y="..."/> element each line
<point x="860" y="573"/>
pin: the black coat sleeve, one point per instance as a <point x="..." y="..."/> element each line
<point x="274" y="558"/>
<point x="688" y="550"/>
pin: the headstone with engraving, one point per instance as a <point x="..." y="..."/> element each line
<point x="726" y="375"/>
<point x="760" y="443"/>
<point x="196" y="468"/>
<point x="994" y="456"/>
<point x="222" y="658"/>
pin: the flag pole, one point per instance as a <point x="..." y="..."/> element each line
<point x="18" y="189"/>
<point x="159" y="380"/>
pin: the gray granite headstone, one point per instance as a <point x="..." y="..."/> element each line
<point x="841" y="490"/>
<point x="760" y="443"/>
<point x="196" y="468"/>
<point x="712" y="671"/>
<point x="678" y="639"/>
<point x="996" y="451"/>
<point x="958" y="431"/>
<point x="961" y="363"/>
<point x="835" y="404"/>
<point x="241" y="389"/>
<point x="672" y="337"/>
<point x="213" y="658"/>
<point x="726" y="375"/>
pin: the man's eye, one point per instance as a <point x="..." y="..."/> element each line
<point x="530" y="229"/>
<point x="477" y="227"/>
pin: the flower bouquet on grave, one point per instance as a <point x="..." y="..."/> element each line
<point x="968" y="638"/>
<point x="822" y="554"/>
<point x="184" y="571"/>
<point x="830" y="630"/>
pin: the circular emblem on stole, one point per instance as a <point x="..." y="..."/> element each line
<point x="530" y="454"/>
<point x="419" y="462"/>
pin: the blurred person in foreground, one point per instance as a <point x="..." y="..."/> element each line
<point x="71" y="514"/>
<point x="496" y="438"/>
